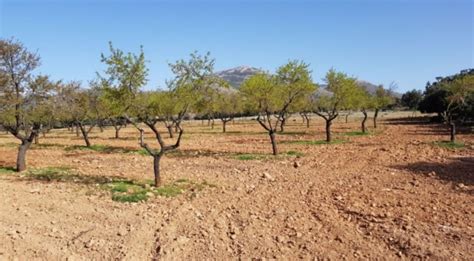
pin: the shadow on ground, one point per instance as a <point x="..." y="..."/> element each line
<point x="433" y="128"/>
<point x="458" y="170"/>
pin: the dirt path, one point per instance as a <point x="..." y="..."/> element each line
<point x="385" y="196"/>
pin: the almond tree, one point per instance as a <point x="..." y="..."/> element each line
<point x="381" y="99"/>
<point x="121" y="81"/>
<point x="271" y="96"/>
<point x="340" y="91"/>
<point x="361" y="100"/>
<point x="227" y="106"/>
<point x="191" y="78"/>
<point x="458" y="90"/>
<point x="127" y="74"/>
<point x="23" y="96"/>
<point x="81" y="107"/>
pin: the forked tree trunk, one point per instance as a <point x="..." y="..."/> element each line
<point x="156" y="169"/>
<point x="273" y="140"/>
<point x="375" y="118"/>
<point x="363" y="128"/>
<point x="117" y="132"/>
<point x="21" y="157"/>
<point x="452" y="130"/>
<point x="328" y="130"/>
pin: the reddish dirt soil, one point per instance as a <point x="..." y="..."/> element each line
<point x="391" y="195"/>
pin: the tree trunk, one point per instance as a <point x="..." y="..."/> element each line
<point x="77" y="131"/>
<point x="363" y="122"/>
<point x="452" y="128"/>
<point x="223" y="126"/>
<point x="170" y="130"/>
<point x="282" y="124"/>
<point x="375" y="118"/>
<point x="274" y="145"/>
<point x="117" y="133"/>
<point x="85" y="135"/>
<point x="212" y="124"/>
<point x="307" y="121"/>
<point x="21" y="158"/>
<point x="328" y="130"/>
<point x="156" y="169"/>
<point x="347" y="116"/>
<point x="36" y="139"/>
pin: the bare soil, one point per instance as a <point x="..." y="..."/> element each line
<point x="389" y="195"/>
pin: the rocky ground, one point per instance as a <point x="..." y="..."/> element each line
<point x="389" y="195"/>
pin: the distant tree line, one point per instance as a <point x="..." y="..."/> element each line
<point x="450" y="97"/>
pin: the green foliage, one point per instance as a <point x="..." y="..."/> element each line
<point x="259" y="93"/>
<point x="249" y="157"/>
<point x="449" y="144"/>
<point x="411" y="99"/>
<point x="124" y="76"/>
<point x="172" y="190"/>
<point x="62" y="174"/>
<point x="275" y="94"/>
<point x="357" y="133"/>
<point x="227" y="104"/>
<point x="451" y="97"/>
<point x="127" y="191"/>
<point x="7" y="170"/>
<point x="382" y="98"/>
<point x="294" y="153"/>
<point x="79" y="105"/>
<point x="27" y="101"/>
<point x="342" y="92"/>
<point x="129" y="197"/>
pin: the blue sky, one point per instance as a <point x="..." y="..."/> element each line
<point x="409" y="42"/>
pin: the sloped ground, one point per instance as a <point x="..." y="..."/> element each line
<point x="389" y="195"/>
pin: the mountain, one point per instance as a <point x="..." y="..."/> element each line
<point x="236" y="76"/>
<point x="370" y="87"/>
